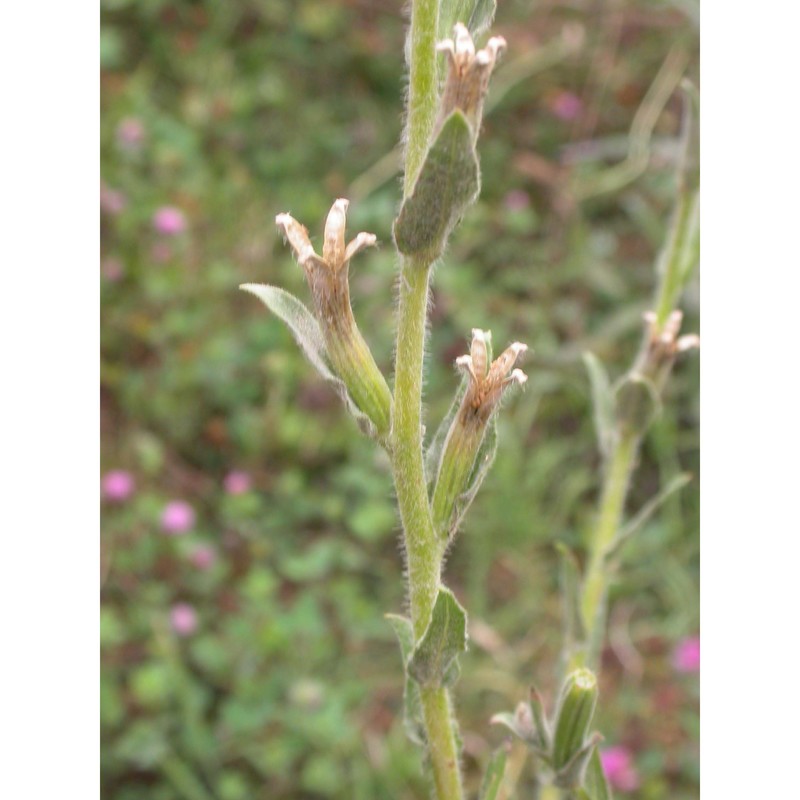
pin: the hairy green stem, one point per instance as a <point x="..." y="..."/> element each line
<point x="422" y="88"/>
<point x="612" y="505"/>
<point x="422" y="553"/>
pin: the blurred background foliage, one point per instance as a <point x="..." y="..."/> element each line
<point x="249" y="538"/>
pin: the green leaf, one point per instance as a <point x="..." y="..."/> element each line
<point x="647" y="511"/>
<point x="308" y="334"/>
<point x="477" y="15"/>
<point x="637" y="403"/>
<point x="493" y="777"/>
<point x="412" y="704"/>
<point x="574" y="631"/>
<point x="447" y="184"/>
<point x="595" y="786"/>
<point x="432" y="662"/>
<point x="602" y="402"/>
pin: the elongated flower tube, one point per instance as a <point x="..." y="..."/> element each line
<point x="463" y="464"/>
<point x="468" y="75"/>
<point x="327" y="278"/>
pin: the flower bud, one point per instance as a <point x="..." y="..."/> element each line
<point x="573" y="717"/>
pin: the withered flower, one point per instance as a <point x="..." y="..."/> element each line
<point x="327" y="277"/>
<point x="468" y="75"/>
<point x="487" y="383"/>
<point x="639" y="394"/>
<point x="465" y="459"/>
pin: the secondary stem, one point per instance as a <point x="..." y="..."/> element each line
<point x="612" y="505"/>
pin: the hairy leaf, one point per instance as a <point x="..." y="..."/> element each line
<point x="493" y="777"/>
<point x="602" y="402"/>
<point x="433" y="661"/>
<point x="477" y="15"/>
<point x="412" y="704"/>
<point x="574" y="631"/>
<point x="448" y="182"/>
<point x="595" y="786"/>
<point x="308" y="334"/>
<point x="647" y="511"/>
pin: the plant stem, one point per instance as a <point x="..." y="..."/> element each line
<point x="422" y="88"/>
<point x="409" y="470"/>
<point x="612" y="504"/>
<point x="422" y="553"/>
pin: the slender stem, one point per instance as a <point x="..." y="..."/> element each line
<point x="422" y="551"/>
<point x="409" y="470"/>
<point x="422" y="554"/>
<point x="422" y="88"/>
<point x="612" y="505"/>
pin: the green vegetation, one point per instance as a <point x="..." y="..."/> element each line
<point x="245" y="652"/>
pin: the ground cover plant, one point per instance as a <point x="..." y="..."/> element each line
<point x="246" y="561"/>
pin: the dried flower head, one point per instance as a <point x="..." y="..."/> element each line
<point x="326" y="274"/>
<point x="468" y="75"/>
<point x="487" y="383"/>
<point x="662" y="346"/>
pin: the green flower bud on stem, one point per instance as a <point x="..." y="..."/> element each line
<point x="458" y="465"/>
<point x="573" y="717"/>
<point x="327" y="278"/>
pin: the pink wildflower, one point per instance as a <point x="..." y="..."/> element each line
<point x="619" y="770"/>
<point x="516" y="200"/>
<point x="237" y="482"/>
<point x="203" y="557"/>
<point x="112" y="202"/>
<point x="567" y="106"/>
<point x="169" y="221"/>
<point x="183" y="619"/>
<point x="178" y="517"/>
<point x="112" y="270"/>
<point x="686" y="657"/>
<point x="118" y="485"/>
<point x="130" y="133"/>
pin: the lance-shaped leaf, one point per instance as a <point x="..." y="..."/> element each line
<point x="412" y="704"/>
<point x="574" y="630"/>
<point x="477" y="15"/>
<point x="493" y="777"/>
<point x="434" y="660"/>
<point x="647" y="511"/>
<point x="448" y="182"/>
<point x="595" y="785"/>
<point x="308" y="335"/>
<point x="602" y="403"/>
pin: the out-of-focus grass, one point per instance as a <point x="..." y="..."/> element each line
<point x="289" y="685"/>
